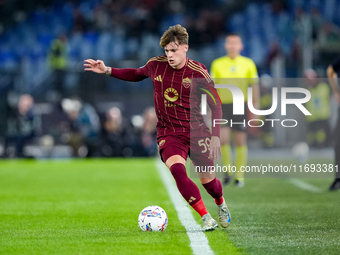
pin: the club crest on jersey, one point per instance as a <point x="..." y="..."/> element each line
<point x="186" y="82"/>
<point x="161" y="143"/>
<point x="171" y="94"/>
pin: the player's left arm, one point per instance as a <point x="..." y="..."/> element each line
<point x="215" y="105"/>
<point x="207" y="87"/>
<point x="215" y="143"/>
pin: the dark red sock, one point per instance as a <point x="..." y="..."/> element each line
<point x="187" y="187"/>
<point x="214" y="188"/>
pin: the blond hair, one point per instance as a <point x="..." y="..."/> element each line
<point x="174" y="33"/>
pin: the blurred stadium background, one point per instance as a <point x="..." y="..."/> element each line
<point x="51" y="108"/>
<point x="43" y="45"/>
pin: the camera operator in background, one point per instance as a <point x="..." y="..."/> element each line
<point x="118" y="136"/>
<point x="84" y="127"/>
<point x="147" y="134"/>
<point x="23" y="125"/>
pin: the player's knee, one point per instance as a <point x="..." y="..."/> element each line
<point x="225" y="141"/>
<point x="240" y="139"/>
<point x="174" y="159"/>
<point x="225" y="135"/>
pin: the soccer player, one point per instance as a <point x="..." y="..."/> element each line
<point x="332" y="73"/>
<point x="181" y="130"/>
<point x="239" y="71"/>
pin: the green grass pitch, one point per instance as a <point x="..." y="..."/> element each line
<point x="92" y="206"/>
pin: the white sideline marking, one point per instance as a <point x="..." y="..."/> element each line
<point x="304" y="185"/>
<point x="198" y="241"/>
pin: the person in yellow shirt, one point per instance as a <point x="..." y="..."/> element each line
<point x="240" y="71"/>
<point x="58" y="60"/>
<point x="320" y="108"/>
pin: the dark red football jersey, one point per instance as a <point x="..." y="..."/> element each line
<point x="177" y="94"/>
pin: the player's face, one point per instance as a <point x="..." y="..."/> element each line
<point x="176" y="54"/>
<point x="233" y="45"/>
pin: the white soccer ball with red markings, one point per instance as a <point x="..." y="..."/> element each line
<point x="153" y="218"/>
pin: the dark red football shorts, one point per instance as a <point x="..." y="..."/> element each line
<point x="198" y="148"/>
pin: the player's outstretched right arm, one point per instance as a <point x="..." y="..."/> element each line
<point x="126" y="74"/>
<point x="96" y="66"/>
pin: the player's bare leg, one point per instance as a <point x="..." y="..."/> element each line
<point x="189" y="190"/>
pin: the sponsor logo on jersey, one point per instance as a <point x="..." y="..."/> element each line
<point x="171" y="94"/>
<point x="186" y="82"/>
<point x="158" y="78"/>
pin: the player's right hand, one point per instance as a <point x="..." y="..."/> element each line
<point x="96" y="66"/>
<point x="215" y="148"/>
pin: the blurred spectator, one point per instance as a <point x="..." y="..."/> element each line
<point x="274" y="52"/>
<point x="84" y="127"/>
<point x="79" y="21"/>
<point x="58" y="58"/>
<point x="22" y="125"/>
<point x="302" y="26"/>
<point x="317" y="22"/>
<point x="329" y="35"/>
<point x="147" y="135"/>
<point x="56" y="122"/>
<point x="319" y="107"/>
<point x="101" y="19"/>
<point x="118" y="135"/>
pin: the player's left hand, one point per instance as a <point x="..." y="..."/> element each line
<point x="215" y="148"/>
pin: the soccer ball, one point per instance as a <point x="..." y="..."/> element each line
<point x="300" y="151"/>
<point x="153" y="218"/>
